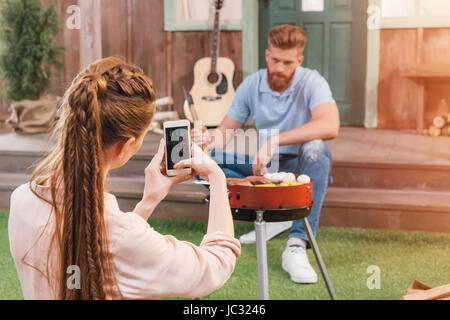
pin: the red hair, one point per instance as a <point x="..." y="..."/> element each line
<point x="287" y="37"/>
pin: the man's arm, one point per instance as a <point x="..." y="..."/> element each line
<point x="324" y="125"/>
<point x="218" y="137"/>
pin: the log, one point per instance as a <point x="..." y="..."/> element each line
<point x="445" y="131"/>
<point x="439" y="122"/>
<point x="412" y="291"/>
<point x="430" y="294"/>
<point x="434" y="131"/>
<point x="419" y="285"/>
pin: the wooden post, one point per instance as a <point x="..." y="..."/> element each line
<point x="90" y="32"/>
<point x="129" y="31"/>
<point x="169" y="89"/>
<point x="62" y="72"/>
<point x="421" y="89"/>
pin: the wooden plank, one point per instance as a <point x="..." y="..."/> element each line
<point x="387" y="219"/>
<point x="400" y="97"/>
<point x="71" y="41"/>
<point x="431" y="294"/>
<point x="425" y="71"/>
<point x="412" y="291"/>
<point x="424" y="201"/>
<point x="149" y="49"/>
<point x="421" y="88"/>
<point x="90" y="32"/>
<point x="114" y="30"/>
<point x="129" y="6"/>
<point x="382" y="146"/>
<point x="397" y="95"/>
<point x="169" y="78"/>
<point x="420" y="286"/>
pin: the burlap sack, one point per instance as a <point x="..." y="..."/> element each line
<point x="33" y="116"/>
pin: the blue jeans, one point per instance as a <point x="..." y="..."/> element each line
<point x="314" y="160"/>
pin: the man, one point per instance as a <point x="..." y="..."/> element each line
<point x="298" y="103"/>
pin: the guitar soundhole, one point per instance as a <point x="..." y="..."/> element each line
<point x="213" y="77"/>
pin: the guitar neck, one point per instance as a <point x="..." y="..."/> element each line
<point x="216" y="41"/>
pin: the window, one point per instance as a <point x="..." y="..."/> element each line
<point x="415" y="13"/>
<point x="313" y="5"/>
<point x="184" y="15"/>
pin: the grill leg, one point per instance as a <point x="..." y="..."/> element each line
<point x="261" y="253"/>
<point x="319" y="258"/>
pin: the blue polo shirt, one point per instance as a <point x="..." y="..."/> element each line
<point x="280" y="112"/>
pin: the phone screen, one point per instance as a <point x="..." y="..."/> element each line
<point x="177" y="144"/>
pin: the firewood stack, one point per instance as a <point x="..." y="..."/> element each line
<point x="440" y="125"/>
<point x="420" y="291"/>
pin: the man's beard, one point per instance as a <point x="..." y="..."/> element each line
<point x="280" y="83"/>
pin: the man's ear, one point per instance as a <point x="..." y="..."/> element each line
<point x="301" y="58"/>
<point x="123" y="145"/>
<point x="267" y="55"/>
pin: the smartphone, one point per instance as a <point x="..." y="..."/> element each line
<point x="178" y="145"/>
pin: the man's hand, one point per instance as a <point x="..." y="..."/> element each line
<point x="200" y="135"/>
<point x="264" y="155"/>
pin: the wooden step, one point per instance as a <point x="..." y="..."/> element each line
<point x="185" y="200"/>
<point x="22" y="153"/>
<point x="387" y="209"/>
<point x="391" y="176"/>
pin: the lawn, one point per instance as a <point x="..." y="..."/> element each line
<point x="401" y="257"/>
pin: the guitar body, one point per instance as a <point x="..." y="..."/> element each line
<point x="213" y="94"/>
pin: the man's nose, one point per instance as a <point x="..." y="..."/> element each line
<point x="279" y="68"/>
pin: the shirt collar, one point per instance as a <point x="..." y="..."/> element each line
<point x="264" y="84"/>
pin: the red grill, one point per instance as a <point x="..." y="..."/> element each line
<point x="270" y="197"/>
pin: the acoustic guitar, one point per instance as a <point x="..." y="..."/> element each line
<point x="213" y="91"/>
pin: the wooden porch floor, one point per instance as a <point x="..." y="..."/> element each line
<point x="389" y="146"/>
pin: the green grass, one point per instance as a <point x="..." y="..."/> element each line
<point x="401" y="256"/>
<point x="9" y="281"/>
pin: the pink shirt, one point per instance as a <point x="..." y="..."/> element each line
<point x="148" y="265"/>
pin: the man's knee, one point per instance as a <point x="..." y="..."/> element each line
<point x="314" y="150"/>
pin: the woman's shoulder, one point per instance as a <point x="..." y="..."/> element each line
<point x="22" y="190"/>
<point x="22" y="195"/>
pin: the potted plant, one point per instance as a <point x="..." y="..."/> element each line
<point x="29" y="55"/>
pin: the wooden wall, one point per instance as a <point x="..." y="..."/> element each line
<point x="397" y="95"/>
<point x="134" y="31"/>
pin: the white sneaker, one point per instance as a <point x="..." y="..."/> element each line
<point x="295" y="262"/>
<point x="272" y="229"/>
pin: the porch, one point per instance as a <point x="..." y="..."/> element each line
<point x="387" y="179"/>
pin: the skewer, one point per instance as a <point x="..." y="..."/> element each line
<point x="195" y="117"/>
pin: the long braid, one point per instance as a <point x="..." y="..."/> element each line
<point x="68" y="255"/>
<point x="83" y="143"/>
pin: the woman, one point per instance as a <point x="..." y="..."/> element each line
<point x="68" y="237"/>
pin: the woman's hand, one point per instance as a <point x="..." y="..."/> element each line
<point x="157" y="184"/>
<point x="220" y="218"/>
<point x="201" y="164"/>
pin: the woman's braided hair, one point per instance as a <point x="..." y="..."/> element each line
<point x="108" y="101"/>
